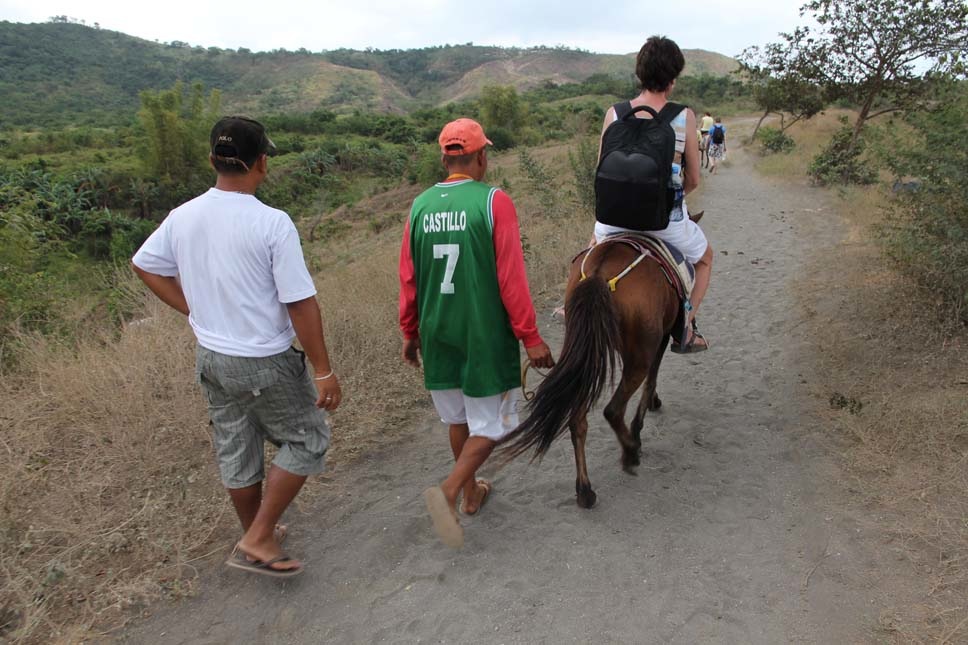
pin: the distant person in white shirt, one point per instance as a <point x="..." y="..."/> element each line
<point x="234" y="266"/>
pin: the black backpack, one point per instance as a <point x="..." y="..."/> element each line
<point x="719" y="135"/>
<point x="632" y="182"/>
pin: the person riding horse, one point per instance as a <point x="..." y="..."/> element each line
<point x="618" y="300"/>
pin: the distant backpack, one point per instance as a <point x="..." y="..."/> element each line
<point x="633" y="180"/>
<point x="718" y="135"/>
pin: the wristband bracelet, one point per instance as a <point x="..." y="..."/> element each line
<point x="323" y="378"/>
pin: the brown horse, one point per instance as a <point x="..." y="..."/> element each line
<point x="636" y="321"/>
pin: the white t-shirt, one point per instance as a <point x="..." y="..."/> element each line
<point x="238" y="262"/>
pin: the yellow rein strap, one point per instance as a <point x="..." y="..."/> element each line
<point x="456" y="176"/>
<point x="614" y="281"/>
<point x="612" y="284"/>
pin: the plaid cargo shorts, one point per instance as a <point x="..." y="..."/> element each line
<point x="254" y="400"/>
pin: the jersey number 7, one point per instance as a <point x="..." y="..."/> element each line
<point x="451" y="252"/>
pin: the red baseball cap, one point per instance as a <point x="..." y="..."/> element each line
<point x="462" y="137"/>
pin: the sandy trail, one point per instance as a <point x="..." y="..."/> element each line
<point x="732" y="532"/>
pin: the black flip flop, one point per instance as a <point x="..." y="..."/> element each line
<point x="238" y="560"/>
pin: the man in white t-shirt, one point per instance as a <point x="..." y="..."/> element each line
<point x="234" y="266"/>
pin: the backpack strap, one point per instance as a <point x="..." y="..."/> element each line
<point x="670" y="111"/>
<point x="622" y="110"/>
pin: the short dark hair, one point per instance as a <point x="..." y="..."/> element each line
<point x="660" y="61"/>
<point x="237" y="143"/>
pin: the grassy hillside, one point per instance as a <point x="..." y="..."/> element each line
<point x="56" y="73"/>
<point x="65" y="73"/>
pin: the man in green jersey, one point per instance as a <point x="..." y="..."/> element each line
<point x="465" y="305"/>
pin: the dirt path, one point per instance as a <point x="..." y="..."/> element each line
<point x="732" y="532"/>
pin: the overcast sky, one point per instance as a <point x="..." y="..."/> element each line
<point x="618" y="26"/>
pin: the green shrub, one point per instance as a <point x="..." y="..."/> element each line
<point x="128" y="238"/>
<point x="502" y="138"/>
<point x="540" y="182"/>
<point x="775" y="140"/>
<point x="839" y="163"/>
<point x="426" y="167"/>
<point x="927" y="225"/>
<point x="584" y="160"/>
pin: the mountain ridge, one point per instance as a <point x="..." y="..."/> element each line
<point x="57" y="73"/>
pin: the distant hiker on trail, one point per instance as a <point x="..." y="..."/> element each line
<point x="659" y="63"/>
<point x="234" y="266"/>
<point x="465" y="305"/>
<point x="706" y="124"/>
<point x="717" y="145"/>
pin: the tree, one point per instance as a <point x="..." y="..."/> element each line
<point x="873" y="52"/>
<point x="176" y="132"/>
<point x="501" y="107"/>
<point x="785" y="95"/>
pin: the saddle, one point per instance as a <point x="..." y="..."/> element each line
<point x="679" y="272"/>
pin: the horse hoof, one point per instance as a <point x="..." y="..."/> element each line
<point x="587" y="498"/>
<point x="655" y="404"/>
<point x="630" y="461"/>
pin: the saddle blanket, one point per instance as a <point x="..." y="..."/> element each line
<point x="678" y="271"/>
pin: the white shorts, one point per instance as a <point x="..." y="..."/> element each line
<point x="684" y="234"/>
<point x="491" y="417"/>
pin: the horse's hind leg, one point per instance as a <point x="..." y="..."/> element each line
<point x="650" y="399"/>
<point x="650" y="384"/>
<point x="583" y="487"/>
<point x="632" y="378"/>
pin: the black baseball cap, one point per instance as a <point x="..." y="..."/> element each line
<point x="240" y="138"/>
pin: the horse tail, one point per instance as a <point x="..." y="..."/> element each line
<point x="574" y="384"/>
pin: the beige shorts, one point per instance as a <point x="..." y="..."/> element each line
<point x="491" y="417"/>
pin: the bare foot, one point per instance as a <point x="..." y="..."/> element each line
<point x="281" y="532"/>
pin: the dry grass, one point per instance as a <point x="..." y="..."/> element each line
<point x="896" y="376"/>
<point x="109" y="496"/>
<point x="106" y="483"/>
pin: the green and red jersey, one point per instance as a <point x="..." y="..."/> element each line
<point x="463" y="288"/>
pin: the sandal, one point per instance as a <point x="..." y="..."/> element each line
<point x="239" y="559"/>
<point x="481" y="483"/>
<point x="690" y="347"/>
<point x="447" y="527"/>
